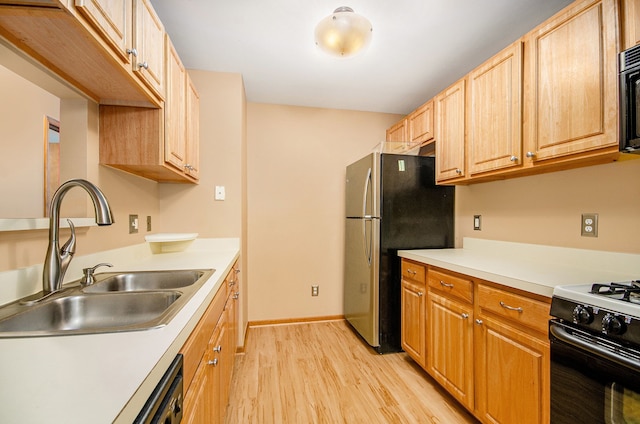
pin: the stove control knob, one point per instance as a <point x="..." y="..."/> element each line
<point x="582" y="315"/>
<point x="612" y="324"/>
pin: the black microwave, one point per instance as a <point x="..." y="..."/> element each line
<point x="629" y="66"/>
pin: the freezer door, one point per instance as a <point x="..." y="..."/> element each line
<point x="362" y="187"/>
<point x="361" y="281"/>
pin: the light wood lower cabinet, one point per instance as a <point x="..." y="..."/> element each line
<point x="511" y="330"/>
<point x="414" y="299"/>
<point x="209" y="355"/>
<point x="512" y="374"/>
<point x="486" y="344"/>
<point x="450" y="346"/>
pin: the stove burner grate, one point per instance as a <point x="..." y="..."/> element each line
<point x="630" y="291"/>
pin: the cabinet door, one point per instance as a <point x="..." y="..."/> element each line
<point x="495" y="110"/>
<point x="197" y="401"/>
<point x="450" y="129"/>
<point x="175" y="151"/>
<point x="398" y="132"/>
<point x="149" y="44"/>
<point x="193" y="130"/>
<point x="572" y="81"/>
<point x="630" y="23"/>
<point x="512" y="384"/>
<point x="219" y="393"/>
<point x="112" y="19"/>
<point x="413" y="322"/>
<point x="450" y="346"/>
<point x="421" y="124"/>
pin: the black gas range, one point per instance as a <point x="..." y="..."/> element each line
<point x="595" y="353"/>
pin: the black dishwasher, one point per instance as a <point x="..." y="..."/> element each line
<point x="164" y="406"/>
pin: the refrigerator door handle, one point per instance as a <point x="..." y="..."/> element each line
<point x="365" y="195"/>
<point x="368" y="241"/>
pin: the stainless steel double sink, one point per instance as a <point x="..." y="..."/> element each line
<point x="116" y="302"/>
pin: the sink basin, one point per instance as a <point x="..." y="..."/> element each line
<point x="87" y="313"/>
<point x="124" y="301"/>
<point x="144" y="280"/>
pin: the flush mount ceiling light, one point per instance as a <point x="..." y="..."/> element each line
<point x="343" y="33"/>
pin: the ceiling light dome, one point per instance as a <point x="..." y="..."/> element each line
<point x="343" y="33"/>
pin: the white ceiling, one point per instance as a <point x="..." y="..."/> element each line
<point x="419" y="47"/>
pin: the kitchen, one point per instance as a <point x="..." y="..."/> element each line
<point x="255" y="163"/>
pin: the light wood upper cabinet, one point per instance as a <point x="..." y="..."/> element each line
<point x="192" y="167"/>
<point x="148" y="42"/>
<point x="398" y="133"/>
<point x="630" y="17"/>
<point x="162" y="144"/>
<point x="175" y="151"/>
<point x="95" y="61"/>
<point x="420" y="123"/>
<point x="182" y="114"/>
<point x="450" y="132"/>
<point x="112" y="18"/>
<point x="495" y="112"/>
<point x="571" y="90"/>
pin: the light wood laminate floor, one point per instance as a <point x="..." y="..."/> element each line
<point x="324" y="373"/>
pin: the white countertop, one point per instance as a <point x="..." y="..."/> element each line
<point x="533" y="268"/>
<point x="101" y="378"/>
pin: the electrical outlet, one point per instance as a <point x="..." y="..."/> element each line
<point x="314" y="290"/>
<point x="148" y="223"/>
<point x="133" y="224"/>
<point x="476" y="222"/>
<point x="589" y="225"/>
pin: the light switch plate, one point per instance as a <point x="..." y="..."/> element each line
<point x="477" y="222"/>
<point x="133" y="224"/>
<point x="220" y="193"/>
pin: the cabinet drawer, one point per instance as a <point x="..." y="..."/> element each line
<point x="414" y="271"/>
<point x="196" y="345"/>
<point x="453" y="285"/>
<point x="521" y="309"/>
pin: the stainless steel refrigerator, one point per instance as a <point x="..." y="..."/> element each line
<point x="392" y="203"/>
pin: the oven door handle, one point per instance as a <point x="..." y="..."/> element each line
<point x="561" y="334"/>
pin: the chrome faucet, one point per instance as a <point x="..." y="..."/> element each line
<point x="58" y="258"/>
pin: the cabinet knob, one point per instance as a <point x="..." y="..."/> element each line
<point x="410" y="271"/>
<point x="214" y="362"/>
<point x="443" y="284"/>
<point x="236" y="295"/>
<point x="479" y="322"/>
<point x="420" y="294"/>
<point x="144" y="65"/>
<point x="513" y="158"/>
<point x="458" y="171"/>
<point x="132" y="52"/>
<point x="217" y="348"/>
<point x="464" y="316"/>
<point x="531" y="155"/>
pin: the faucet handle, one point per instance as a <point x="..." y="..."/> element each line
<point x="69" y="248"/>
<point x="88" y="278"/>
